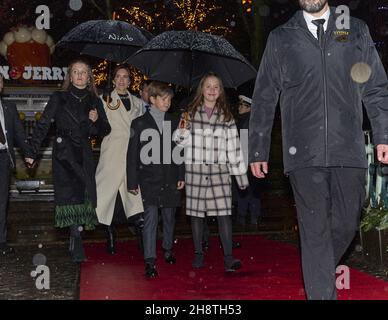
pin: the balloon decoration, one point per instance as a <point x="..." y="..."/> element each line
<point x="38" y="115"/>
<point x="22" y="116"/>
<point x="26" y="46"/>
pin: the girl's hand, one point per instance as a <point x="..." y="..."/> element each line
<point x="181" y="185"/>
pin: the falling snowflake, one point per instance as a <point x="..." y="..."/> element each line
<point x="292" y="151"/>
<point x="75" y="5"/>
<point x="361" y="72"/>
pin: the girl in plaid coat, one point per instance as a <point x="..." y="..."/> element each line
<point x="212" y="154"/>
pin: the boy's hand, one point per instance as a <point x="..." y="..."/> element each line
<point x="134" y="192"/>
<point x="181" y="185"/>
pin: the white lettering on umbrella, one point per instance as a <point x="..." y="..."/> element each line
<point x="113" y="36"/>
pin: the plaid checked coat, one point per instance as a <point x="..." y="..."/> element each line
<point x="212" y="155"/>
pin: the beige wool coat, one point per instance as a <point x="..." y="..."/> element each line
<point x="212" y="156"/>
<point x="111" y="174"/>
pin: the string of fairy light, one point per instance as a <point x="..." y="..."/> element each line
<point x="191" y="14"/>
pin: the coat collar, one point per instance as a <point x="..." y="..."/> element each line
<point x="204" y="118"/>
<point x="150" y="119"/>
<point x="298" y="21"/>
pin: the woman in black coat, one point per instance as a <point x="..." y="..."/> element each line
<point x="78" y="114"/>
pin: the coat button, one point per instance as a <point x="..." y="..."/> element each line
<point x="256" y="154"/>
<point x="206" y="178"/>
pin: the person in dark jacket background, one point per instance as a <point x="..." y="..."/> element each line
<point x="11" y="133"/>
<point x="78" y="114"/>
<point x="323" y="75"/>
<point x="160" y="182"/>
<point x="248" y="200"/>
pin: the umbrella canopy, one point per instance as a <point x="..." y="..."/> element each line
<point x="113" y="40"/>
<point x="183" y="57"/>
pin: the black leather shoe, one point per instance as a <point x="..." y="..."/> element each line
<point x="231" y="264"/>
<point x="169" y="257"/>
<point x="150" y="270"/>
<point x="110" y="240"/>
<point x="5" y="250"/>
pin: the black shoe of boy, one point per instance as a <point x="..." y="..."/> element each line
<point x="169" y="257"/>
<point x="150" y="270"/>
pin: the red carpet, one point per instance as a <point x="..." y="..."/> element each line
<point x="271" y="271"/>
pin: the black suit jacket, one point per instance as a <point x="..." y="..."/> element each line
<point x="14" y="131"/>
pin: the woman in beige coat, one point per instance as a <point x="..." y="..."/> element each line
<point x="121" y="108"/>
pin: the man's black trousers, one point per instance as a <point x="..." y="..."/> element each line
<point x="329" y="202"/>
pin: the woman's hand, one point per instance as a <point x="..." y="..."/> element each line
<point x="93" y="115"/>
<point x="180" y="185"/>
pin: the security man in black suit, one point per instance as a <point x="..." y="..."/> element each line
<point x="11" y="133"/>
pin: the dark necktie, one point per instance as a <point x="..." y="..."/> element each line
<point x="320" y="31"/>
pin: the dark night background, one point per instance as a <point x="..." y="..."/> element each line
<point x="14" y="12"/>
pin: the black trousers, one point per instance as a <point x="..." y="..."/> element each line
<point x="329" y="203"/>
<point x="4" y="194"/>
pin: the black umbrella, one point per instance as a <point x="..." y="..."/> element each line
<point x="183" y="57"/>
<point x="113" y="40"/>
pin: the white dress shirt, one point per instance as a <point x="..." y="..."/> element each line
<point x="312" y="27"/>
<point x="2" y="123"/>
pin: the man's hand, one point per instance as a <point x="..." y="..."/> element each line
<point x="382" y="153"/>
<point x="93" y="115"/>
<point x="134" y="192"/>
<point x="259" y="169"/>
<point x="181" y="185"/>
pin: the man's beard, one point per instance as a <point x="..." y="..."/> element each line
<point x="312" y="6"/>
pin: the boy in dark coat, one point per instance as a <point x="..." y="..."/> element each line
<point x="151" y="170"/>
